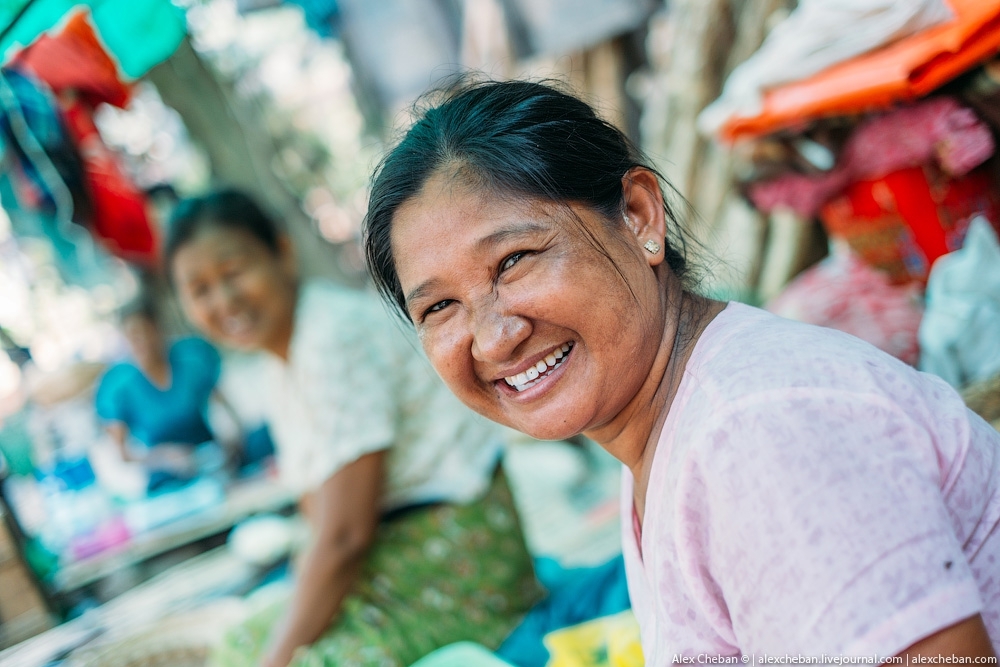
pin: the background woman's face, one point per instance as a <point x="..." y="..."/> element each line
<point x="523" y="317"/>
<point x="236" y="290"/>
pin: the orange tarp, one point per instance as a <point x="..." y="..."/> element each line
<point x="900" y="72"/>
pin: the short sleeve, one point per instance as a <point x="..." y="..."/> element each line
<point x="819" y="519"/>
<point x="344" y="377"/>
<point x="111" y="400"/>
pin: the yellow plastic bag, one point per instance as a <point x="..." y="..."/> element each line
<point x="611" y="641"/>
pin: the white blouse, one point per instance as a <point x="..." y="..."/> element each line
<point x="356" y="382"/>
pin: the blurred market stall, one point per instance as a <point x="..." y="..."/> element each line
<point x="866" y="125"/>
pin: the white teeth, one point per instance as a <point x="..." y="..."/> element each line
<point x="236" y="325"/>
<point x="530" y="377"/>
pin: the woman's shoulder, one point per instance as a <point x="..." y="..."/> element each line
<point x="325" y="304"/>
<point x="119" y="374"/>
<point x="748" y="352"/>
<point x="331" y="319"/>
<point x="762" y="386"/>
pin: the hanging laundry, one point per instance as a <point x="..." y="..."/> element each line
<point x="935" y="130"/>
<point x="42" y="187"/>
<point x="36" y="147"/>
<point x="74" y="60"/>
<point x="816" y="35"/>
<point x="322" y="16"/>
<point x="908" y="69"/>
<point x="139" y="34"/>
<point x="74" y="63"/>
<point x="119" y="211"/>
<point x="904" y="189"/>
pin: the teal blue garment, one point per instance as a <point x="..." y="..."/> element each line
<point x="138" y="33"/>
<point x="173" y="415"/>
<point x="575" y="596"/>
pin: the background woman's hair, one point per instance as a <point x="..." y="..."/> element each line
<point x="142" y="305"/>
<point x="227" y="209"/>
<point x="512" y="138"/>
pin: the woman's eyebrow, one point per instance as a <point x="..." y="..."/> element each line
<point x="419" y="291"/>
<point x="514" y="231"/>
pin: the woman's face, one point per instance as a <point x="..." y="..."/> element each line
<point x="527" y="322"/>
<point x="236" y="290"/>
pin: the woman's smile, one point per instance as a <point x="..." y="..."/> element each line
<point x="541" y="373"/>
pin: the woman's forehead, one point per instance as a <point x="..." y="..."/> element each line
<point x="451" y="205"/>
<point x="218" y="241"/>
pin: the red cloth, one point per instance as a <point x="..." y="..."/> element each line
<point x="119" y="219"/>
<point x="75" y="65"/>
<point x="902" y="222"/>
<point x="74" y="60"/>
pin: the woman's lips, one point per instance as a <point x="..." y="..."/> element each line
<point x="541" y="370"/>
<point x="237" y="326"/>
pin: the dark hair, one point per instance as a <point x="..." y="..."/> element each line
<point x="228" y="209"/>
<point x="515" y="138"/>
<point x="142" y="305"/>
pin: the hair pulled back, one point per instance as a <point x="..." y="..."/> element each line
<point x="514" y="138"/>
<point x="227" y="209"/>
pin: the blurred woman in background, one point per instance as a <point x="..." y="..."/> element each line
<point x="155" y="405"/>
<point x="416" y="541"/>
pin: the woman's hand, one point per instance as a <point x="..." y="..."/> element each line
<point x="118" y="432"/>
<point x="174" y="458"/>
<point x="344" y="513"/>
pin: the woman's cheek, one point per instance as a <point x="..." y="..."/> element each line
<point x="445" y="352"/>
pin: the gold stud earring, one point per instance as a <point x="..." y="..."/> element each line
<point x="651" y="246"/>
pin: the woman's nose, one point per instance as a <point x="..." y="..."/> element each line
<point x="224" y="300"/>
<point x="496" y="334"/>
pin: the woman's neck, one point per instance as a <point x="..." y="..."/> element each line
<point x="280" y="344"/>
<point x="156" y="369"/>
<point x="636" y="441"/>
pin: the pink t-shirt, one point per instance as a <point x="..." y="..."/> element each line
<point x="811" y="495"/>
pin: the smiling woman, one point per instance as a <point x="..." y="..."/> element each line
<point x="786" y="488"/>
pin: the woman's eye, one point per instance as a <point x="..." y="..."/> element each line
<point x="437" y="307"/>
<point x="512" y="260"/>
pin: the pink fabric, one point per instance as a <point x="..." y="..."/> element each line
<point x="844" y="293"/>
<point x="938" y="129"/>
<point x="811" y="495"/>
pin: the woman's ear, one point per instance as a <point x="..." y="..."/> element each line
<point x="644" y="213"/>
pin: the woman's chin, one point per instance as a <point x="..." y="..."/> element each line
<point x="545" y="431"/>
